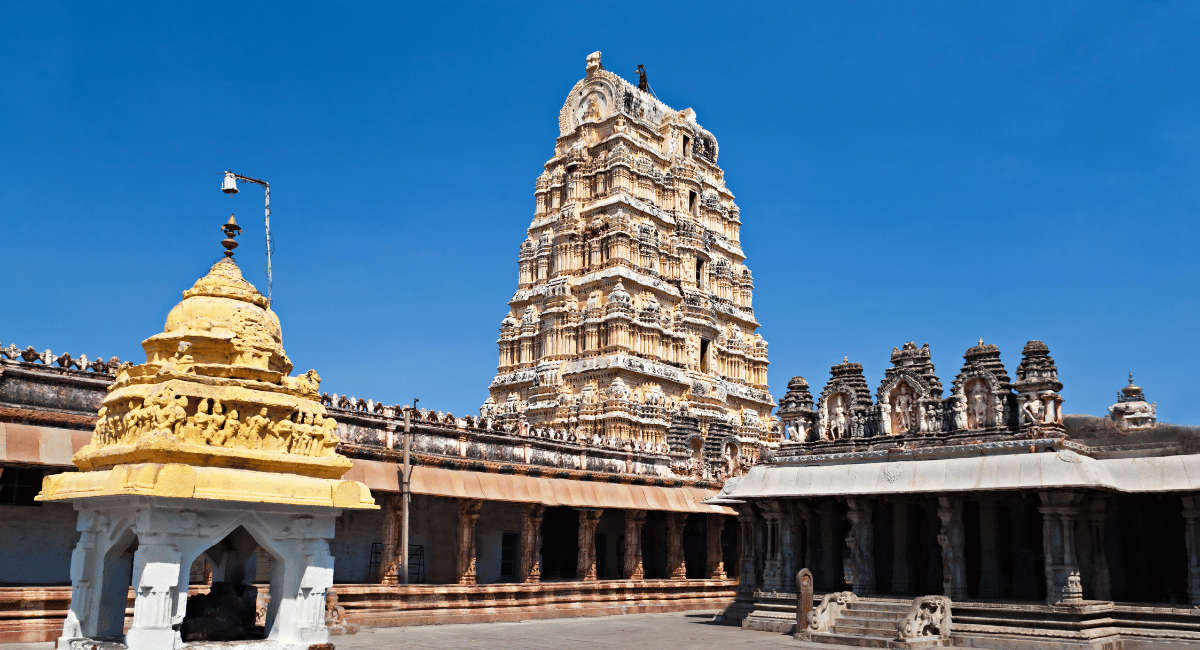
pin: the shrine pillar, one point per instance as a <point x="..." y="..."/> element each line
<point x="468" y="514"/>
<point x="773" y="560"/>
<point x="716" y="562"/>
<point x="676" y="570"/>
<point x="901" y="569"/>
<point x="585" y="566"/>
<point x="989" y="569"/>
<point x="746" y="572"/>
<point x="861" y="540"/>
<point x="1101" y="581"/>
<point x="531" y="543"/>
<point x="1191" y="531"/>
<point x="1060" y="510"/>
<point x="952" y="539"/>
<point x="389" y="558"/>
<point x="634" y="520"/>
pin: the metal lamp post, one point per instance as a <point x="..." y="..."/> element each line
<point x="229" y="186"/>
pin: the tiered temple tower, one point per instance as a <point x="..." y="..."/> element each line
<point x="632" y="321"/>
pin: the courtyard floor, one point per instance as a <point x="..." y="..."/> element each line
<point x="684" y="630"/>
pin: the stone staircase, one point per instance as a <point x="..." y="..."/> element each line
<point x="870" y="624"/>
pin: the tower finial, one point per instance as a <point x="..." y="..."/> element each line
<point x="981" y="341"/>
<point x="231" y="230"/>
<point x="1131" y="379"/>
<point x="845" y="359"/>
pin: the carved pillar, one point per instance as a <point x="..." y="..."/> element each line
<point x="861" y="540"/>
<point x="804" y="521"/>
<point x="1191" y="531"/>
<point x="773" y="555"/>
<point x="716" y="563"/>
<point x="901" y="562"/>
<point x="676" y="570"/>
<point x="468" y="514"/>
<point x="634" y="520"/>
<point x="1101" y="582"/>
<point x="787" y="549"/>
<point x="746" y="550"/>
<point x="585" y="568"/>
<point x="156" y="606"/>
<point x="953" y="541"/>
<point x="531" y="543"/>
<point x="1059" y="513"/>
<point x="989" y="569"/>
<point x="389" y="565"/>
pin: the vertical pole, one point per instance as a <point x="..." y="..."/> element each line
<point x="267" y="209"/>
<point x="405" y="496"/>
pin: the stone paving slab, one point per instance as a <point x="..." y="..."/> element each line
<point x="682" y="630"/>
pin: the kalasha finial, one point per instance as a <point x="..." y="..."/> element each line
<point x="231" y="230"/>
<point x="1131" y="379"/>
<point x="980" y="342"/>
<point x="845" y="359"/>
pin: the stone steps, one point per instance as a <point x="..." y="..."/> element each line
<point x="865" y="624"/>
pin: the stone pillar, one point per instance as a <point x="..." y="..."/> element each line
<point x="676" y="570"/>
<point x="804" y="520"/>
<point x="716" y="563"/>
<point x="1059" y="511"/>
<point x="787" y="550"/>
<point x="746" y="550"/>
<point x="634" y="520"/>
<point x="389" y="558"/>
<point x="1191" y="532"/>
<point x="953" y="542"/>
<point x="468" y="514"/>
<point x="1101" y="582"/>
<point x="585" y="567"/>
<point x="901" y="562"/>
<point x="861" y="540"/>
<point x="773" y="555"/>
<point x="989" y="565"/>
<point x="531" y="543"/>
<point x="156" y="590"/>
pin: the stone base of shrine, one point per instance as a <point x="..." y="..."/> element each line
<point x="1090" y="625"/>
<point x="394" y="606"/>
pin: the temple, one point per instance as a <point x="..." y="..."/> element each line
<point x="985" y="517"/>
<point x="632" y="326"/>
<point x="626" y="459"/>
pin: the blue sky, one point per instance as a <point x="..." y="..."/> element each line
<point x="934" y="172"/>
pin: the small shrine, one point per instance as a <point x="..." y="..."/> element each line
<point x="1131" y="410"/>
<point x="210" y="449"/>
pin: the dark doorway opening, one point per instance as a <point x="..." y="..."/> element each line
<point x="695" y="546"/>
<point x="654" y="545"/>
<point x="560" y="543"/>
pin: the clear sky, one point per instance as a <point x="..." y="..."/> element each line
<point x="934" y="172"/>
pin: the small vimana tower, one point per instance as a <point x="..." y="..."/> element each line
<point x="632" y="325"/>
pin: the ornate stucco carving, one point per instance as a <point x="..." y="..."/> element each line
<point x="632" y="326"/>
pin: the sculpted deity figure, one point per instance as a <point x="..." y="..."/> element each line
<point x="901" y="407"/>
<point x="960" y="414"/>
<point x="279" y="434"/>
<point x="979" y="406"/>
<point x="228" y="435"/>
<point x="793" y="431"/>
<point x="328" y="438"/>
<point x="1032" y="411"/>
<point x="251" y="433"/>
<point x="840" y="422"/>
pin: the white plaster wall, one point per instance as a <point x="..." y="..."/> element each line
<point x="37" y="543"/>
<point x="350" y="547"/>
<point x="495" y="519"/>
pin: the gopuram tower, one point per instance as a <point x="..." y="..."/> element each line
<point x="632" y="325"/>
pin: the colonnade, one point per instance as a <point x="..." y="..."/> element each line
<point x="529" y="569"/>
<point x="1057" y="546"/>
